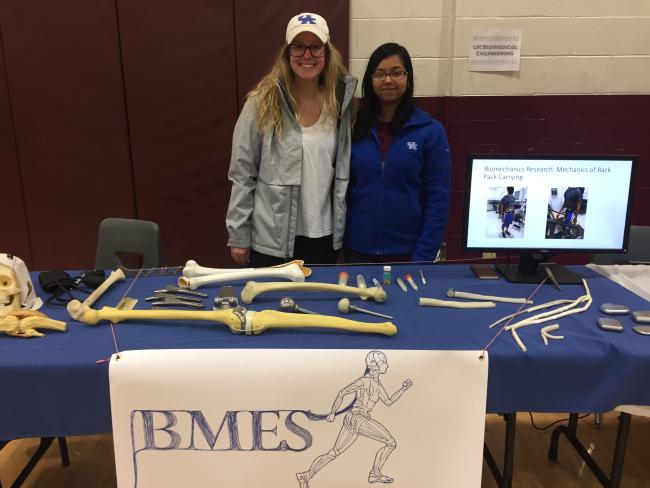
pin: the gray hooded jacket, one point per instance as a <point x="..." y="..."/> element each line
<point x="266" y="171"/>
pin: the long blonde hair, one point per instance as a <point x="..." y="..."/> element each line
<point x="267" y="96"/>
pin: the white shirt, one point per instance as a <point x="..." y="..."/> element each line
<point x="314" y="202"/>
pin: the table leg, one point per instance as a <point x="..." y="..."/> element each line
<point x="63" y="449"/>
<point x="2" y="445"/>
<point x="624" y="421"/>
<point x="570" y="432"/>
<point x="45" y="443"/>
<point x="504" y="480"/>
<point x="38" y="454"/>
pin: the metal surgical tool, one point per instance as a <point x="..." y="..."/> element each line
<point x="288" y="304"/>
<point x="226" y="299"/>
<point x="162" y="295"/>
<point x="167" y="302"/>
<point x="185" y="291"/>
<point x="345" y="307"/>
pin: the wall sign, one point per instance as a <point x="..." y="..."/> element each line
<point x="495" y="50"/>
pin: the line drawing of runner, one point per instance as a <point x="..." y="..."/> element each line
<point x="357" y="421"/>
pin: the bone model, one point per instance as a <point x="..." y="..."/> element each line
<point x="16" y="321"/>
<point x="23" y="323"/>
<point x="239" y="320"/>
<point x="75" y="307"/>
<point x="451" y="293"/>
<point x="434" y="302"/>
<point x="195" y="276"/>
<point x="552" y="315"/>
<point x="252" y="289"/>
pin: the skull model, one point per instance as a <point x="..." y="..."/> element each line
<point x="18" y="301"/>
<point x="9" y="291"/>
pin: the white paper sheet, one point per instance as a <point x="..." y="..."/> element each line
<point x="495" y="50"/>
<point x="256" y="418"/>
<point x="634" y="277"/>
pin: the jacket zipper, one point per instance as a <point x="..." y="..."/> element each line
<point x="383" y="178"/>
<point x="381" y="197"/>
<point x="286" y="254"/>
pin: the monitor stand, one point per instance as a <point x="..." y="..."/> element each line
<point x="530" y="269"/>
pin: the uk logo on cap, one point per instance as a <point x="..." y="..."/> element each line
<point x="306" y="19"/>
<point x="308" y="22"/>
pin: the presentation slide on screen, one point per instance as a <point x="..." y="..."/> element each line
<point x="548" y="204"/>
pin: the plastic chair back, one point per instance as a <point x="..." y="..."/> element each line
<point x="638" y="248"/>
<point x="132" y="236"/>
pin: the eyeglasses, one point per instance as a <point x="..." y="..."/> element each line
<point x="316" y="50"/>
<point x="396" y="74"/>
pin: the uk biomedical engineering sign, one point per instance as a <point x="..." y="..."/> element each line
<point x="495" y="50"/>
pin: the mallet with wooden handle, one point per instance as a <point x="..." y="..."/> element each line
<point x="252" y="289"/>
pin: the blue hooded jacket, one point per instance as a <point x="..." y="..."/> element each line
<point x="400" y="205"/>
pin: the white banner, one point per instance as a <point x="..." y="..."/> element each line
<point x="298" y="418"/>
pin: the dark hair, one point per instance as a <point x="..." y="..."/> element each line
<point x="511" y="190"/>
<point x="369" y="110"/>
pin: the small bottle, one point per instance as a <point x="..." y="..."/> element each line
<point x="409" y="279"/>
<point x="387" y="278"/>
<point x="343" y="278"/>
<point x="361" y="283"/>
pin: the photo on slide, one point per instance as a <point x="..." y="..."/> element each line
<point x="506" y="212"/>
<point x="567" y="210"/>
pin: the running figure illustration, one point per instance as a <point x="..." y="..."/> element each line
<point x="357" y="421"/>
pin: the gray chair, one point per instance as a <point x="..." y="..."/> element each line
<point x="638" y="249"/>
<point x="132" y="236"/>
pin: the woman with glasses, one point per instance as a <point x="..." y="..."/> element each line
<point x="400" y="169"/>
<point x="290" y="158"/>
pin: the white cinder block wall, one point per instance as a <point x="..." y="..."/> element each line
<point x="568" y="46"/>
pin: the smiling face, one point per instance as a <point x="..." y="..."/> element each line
<point x="390" y="89"/>
<point x="307" y="66"/>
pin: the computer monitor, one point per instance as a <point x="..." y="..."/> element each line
<point x="542" y="205"/>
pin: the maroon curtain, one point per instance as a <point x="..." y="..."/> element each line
<point x="125" y="108"/>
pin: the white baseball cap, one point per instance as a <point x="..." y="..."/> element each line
<point x="308" y="22"/>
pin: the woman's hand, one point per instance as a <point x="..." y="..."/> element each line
<point x="241" y="255"/>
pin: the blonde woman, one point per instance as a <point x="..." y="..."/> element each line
<point x="290" y="160"/>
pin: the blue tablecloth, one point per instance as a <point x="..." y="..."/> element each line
<point x="52" y="386"/>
